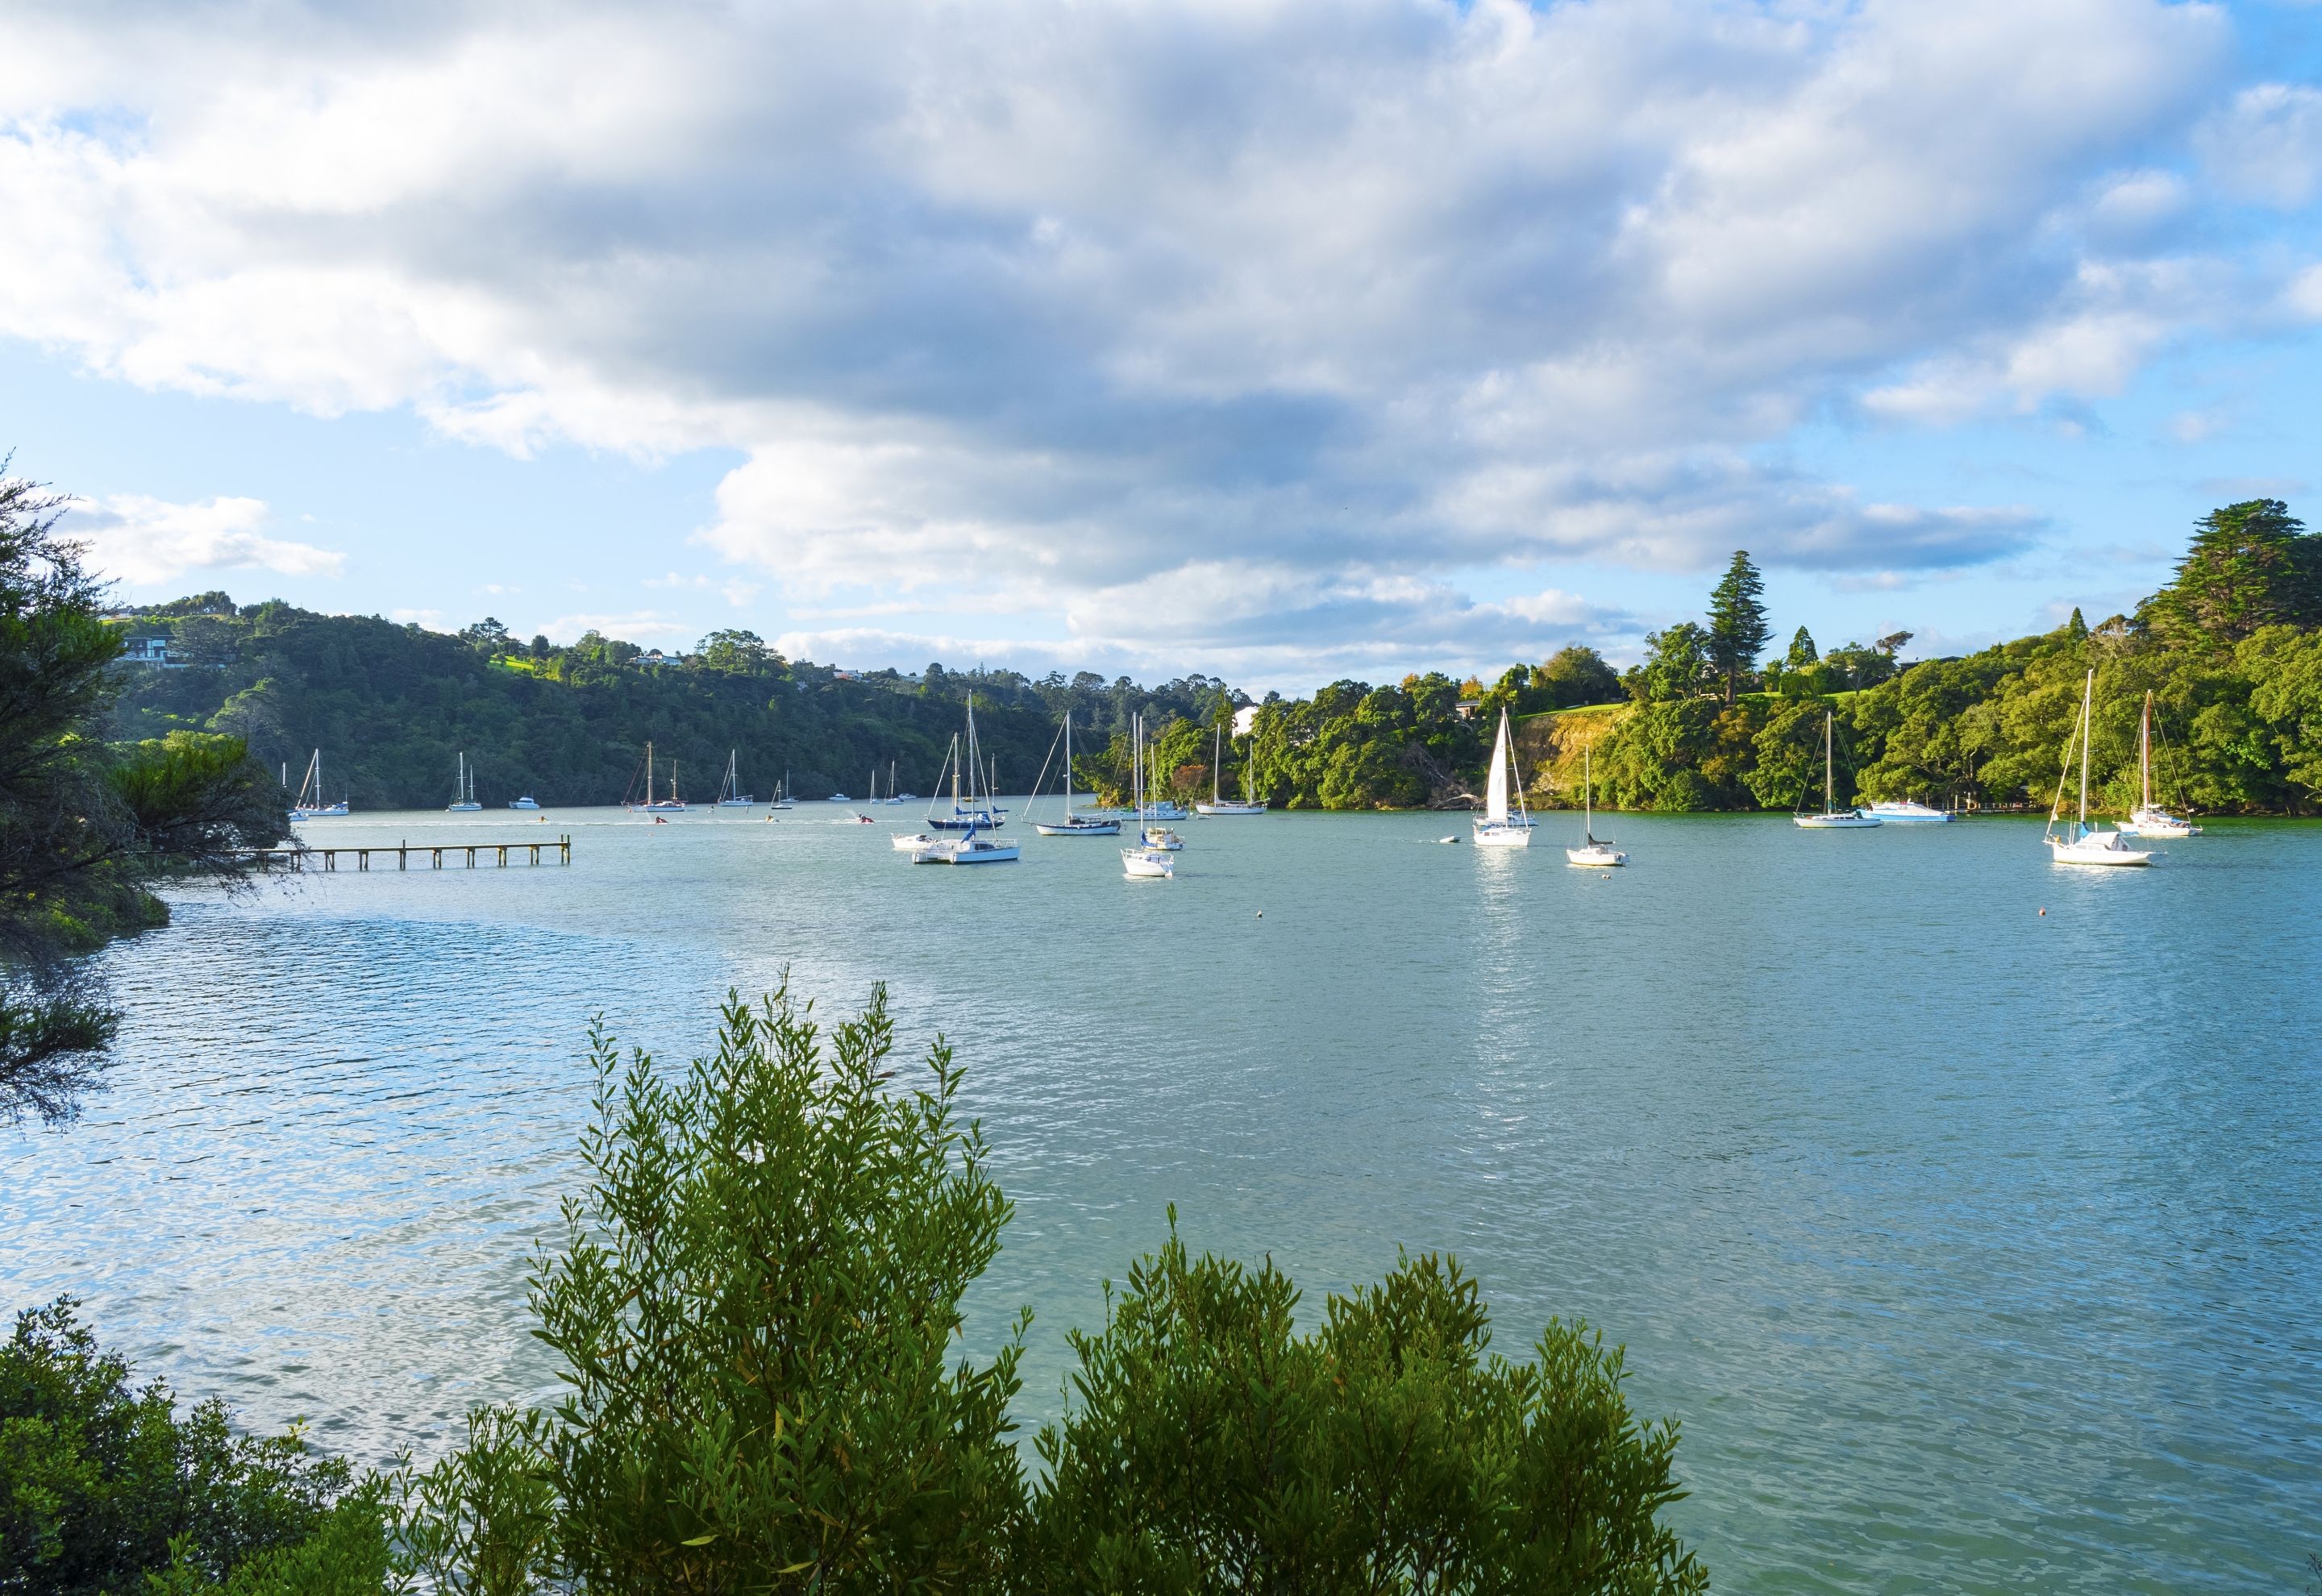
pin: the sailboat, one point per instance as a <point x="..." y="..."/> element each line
<point x="463" y="791"/>
<point x="310" y="804"/>
<point x="1219" y="806"/>
<point x="782" y="799"/>
<point x="671" y="805"/>
<point x="2145" y="820"/>
<point x="1498" y="828"/>
<point x="1157" y="808"/>
<point x="967" y="759"/>
<point x="730" y="795"/>
<point x="2077" y="845"/>
<point x="1832" y="817"/>
<point x="1591" y="852"/>
<point x="1143" y="862"/>
<point x="893" y="796"/>
<point x="1072" y="825"/>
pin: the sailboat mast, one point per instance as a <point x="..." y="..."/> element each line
<point x="1068" y="766"/>
<point x="1217" y="760"/>
<point x="1588" y="792"/>
<point x="2144" y="749"/>
<point x="1828" y="787"/>
<point x="2088" y="701"/>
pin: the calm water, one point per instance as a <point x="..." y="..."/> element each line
<point x="1975" y="1250"/>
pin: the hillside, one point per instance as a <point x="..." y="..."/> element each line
<point x="392" y="706"/>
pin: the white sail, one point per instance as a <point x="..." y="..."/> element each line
<point x="1495" y="796"/>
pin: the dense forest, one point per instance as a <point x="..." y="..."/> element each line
<point x="392" y="706"/>
<point x="1709" y="718"/>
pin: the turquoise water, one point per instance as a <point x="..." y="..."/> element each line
<point x="1975" y="1249"/>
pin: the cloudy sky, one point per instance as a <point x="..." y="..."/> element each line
<point x="1279" y="341"/>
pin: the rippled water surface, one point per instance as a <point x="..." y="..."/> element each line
<point x="1975" y="1249"/>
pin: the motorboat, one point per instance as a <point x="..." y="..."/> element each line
<point x="525" y="802"/>
<point x="1832" y="819"/>
<point x="914" y="842"/>
<point x="1591" y="853"/>
<point x="1501" y="827"/>
<point x="1906" y="812"/>
<point x="2078" y="843"/>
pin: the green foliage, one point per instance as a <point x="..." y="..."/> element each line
<point x="103" y="1485"/>
<point x="1676" y="665"/>
<point x="392" y="706"/>
<point x="1573" y="676"/>
<point x="1738" y="628"/>
<point x="86" y="828"/>
<point x="1802" y="649"/>
<point x="755" y="1307"/>
<point x="1215" y="1449"/>
<point x="1354" y="747"/>
<point x="2250" y="567"/>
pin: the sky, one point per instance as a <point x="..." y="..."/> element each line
<point x="1278" y="341"/>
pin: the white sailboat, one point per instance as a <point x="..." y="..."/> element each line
<point x="893" y="796"/>
<point x="971" y="846"/>
<point x="463" y="791"/>
<point x="671" y="805"/>
<point x="2147" y="820"/>
<point x="730" y="795"/>
<point x="782" y="799"/>
<point x="1072" y="825"/>
<point x="1832" y="817"/>
<point x="966" y="759"/>
<point x="1217" y="807"/>
<point x="310" y="804"/>
<point x="1143" y="862"/>
<point x="2077" y="845"/>
<point x="1499" y="829"/>
<point x="1591" y="853"/>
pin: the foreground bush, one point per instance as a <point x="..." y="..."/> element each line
<point x="103" y="1486"/>
<point x="1214" y="1449"/>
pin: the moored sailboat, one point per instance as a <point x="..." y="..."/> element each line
<point x="463" y="791"/>
<point x="1218" y="807"/>
<point x="2078" y="843"/>
<point x="730" y="795"/>
<point x="967" y="759"/>
<point x="2147" y="820"/>
<point x="1145" y="862"/>
<point x="648" y="804"/>
<point x="1832" y="817"/>
<point x="310" y="804"/>
<point x="1072" y="825"/>
<point x="1591" y="853"/>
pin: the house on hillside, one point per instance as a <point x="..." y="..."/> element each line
<point x="150" y="651"/>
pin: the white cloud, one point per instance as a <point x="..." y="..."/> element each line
<point x="146" y="541"/>
<point x="2266" y="147"/>
<point x="1092" y="314"/>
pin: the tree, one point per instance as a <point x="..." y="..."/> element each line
<point x="1677" y="664"/>
<point x="737" y="650"/>
<point x="1802" y="649"/>
<point x="86" y="828"/>
<point x="2249" y="566"/>
<point x="1576" y="675"/>
<point x="1216" y="1449"/>
<point x="1892" y="643"/>
<point x="1738" y="631"/>
<point x="104" y="1487"/>
<point x="488" y="638"/>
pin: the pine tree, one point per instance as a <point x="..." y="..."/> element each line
<point x="1802" y="650"/>
<point x="1738" y="631"/>
<point x="2249" y="567"/>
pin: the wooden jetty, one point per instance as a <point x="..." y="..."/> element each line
<point x="304" y="858"/>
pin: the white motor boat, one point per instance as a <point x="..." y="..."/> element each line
<point x="2078" y="843"/>
<point x="526" y="802"/>
<point x="915" y="842"/>
<point x="2147" y="819"/>
<point x="1500" y="827"/>
<point x="1591" y="853"/>
<point x="1832" y="819"/>
<point x="1147" y="864"/>
<point x="1906" y="812"/>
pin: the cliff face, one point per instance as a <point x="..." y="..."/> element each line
<point x="1551" y="747"/>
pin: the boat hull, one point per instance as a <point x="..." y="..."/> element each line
<point x="1226" y="811"/>
<point x="1598" y="857"/>
<point x="952" y="853"/>
<point x="1835" y="822"/>
<point x="1139" y="864"/>
<point x="1093" y="828"/>
<point x="2090" y="851"/>
<point x="1908" y="814"/>
<point x="1492" y="834"/>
